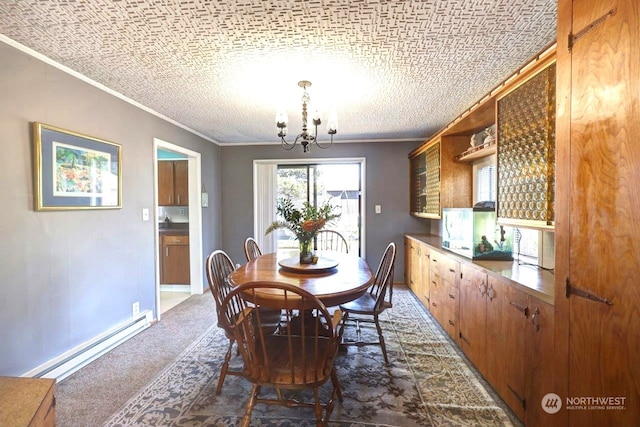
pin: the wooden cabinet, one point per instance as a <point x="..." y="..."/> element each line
<point x="507" y="310"/>
<point x="173" y="183"/>
<point x="598" y="208"/>
<point x="436" y="181"/>
<point x="526" y="152"/>
<point x="443" y="301"/>
<point x="175" y="260"/>
<point x="473" y="315"/>
<point x="539" y="363"/>
<point x="507" y="333"/>
<point x="417" y="269"/>
<point x="508" y="336"/>
<point x="27" y="402"/>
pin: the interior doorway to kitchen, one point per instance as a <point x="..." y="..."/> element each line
<point x="168" y="296"/>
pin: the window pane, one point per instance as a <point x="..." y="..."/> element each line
<point x="485" y="183"/>
<point x="526" y="243"/>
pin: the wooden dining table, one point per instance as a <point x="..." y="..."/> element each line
<point x="336" y="279"/>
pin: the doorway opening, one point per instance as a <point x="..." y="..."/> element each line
<point x="338" y="184"/>
<point x="339" y="181"/>
<point x="183" y="223"/>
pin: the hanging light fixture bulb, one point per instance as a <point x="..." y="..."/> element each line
<point x="307" y="136"/>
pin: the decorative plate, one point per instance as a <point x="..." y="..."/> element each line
<point x="293" y="264"/>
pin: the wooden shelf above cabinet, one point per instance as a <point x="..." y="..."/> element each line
<point x="475" y="153"/>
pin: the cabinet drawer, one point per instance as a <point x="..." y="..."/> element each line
<point x="449" y="270"/>
<point x="176" y="240"/>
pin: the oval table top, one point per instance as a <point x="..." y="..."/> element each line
<point x="346" y="282"/>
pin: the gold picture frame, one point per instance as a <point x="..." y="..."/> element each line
<point x="75" y="171"/>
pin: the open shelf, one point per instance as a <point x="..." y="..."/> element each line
<point x="477" y="152"/>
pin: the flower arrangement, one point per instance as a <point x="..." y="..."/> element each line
<point x="304" y="223"/>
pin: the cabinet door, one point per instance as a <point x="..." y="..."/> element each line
<point x="415" y="272"/>
<point x="425" y="276"/>
<point x="449" y="270"/>
<point x="603" y="248"/>
<point x="175" y="260"/>
<point x="473" y="315"/>
<point x="525" y="153"/>
<point x="436" y="287"/>
<point x="539" y="364"/>
<point x="165" y="183"/>
<point x="181" y="182"/>
<point x="506" y="326"/>
<point x="407" y="262"/>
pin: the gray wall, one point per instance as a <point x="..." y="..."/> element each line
<point x="387" y="184"/>
<point x="67" y="276"/>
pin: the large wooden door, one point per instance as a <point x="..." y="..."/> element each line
<point x="603" y="199"/>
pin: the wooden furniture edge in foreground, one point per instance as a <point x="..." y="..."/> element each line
<point x="27" y="402"/>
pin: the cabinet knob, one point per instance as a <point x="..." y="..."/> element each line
<point x="482" y="288"/>
<point x="491" y="293"/>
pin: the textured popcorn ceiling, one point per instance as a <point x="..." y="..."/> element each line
<point x="394" y="70"/>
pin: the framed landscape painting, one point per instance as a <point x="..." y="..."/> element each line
<point x="75" y="171"/>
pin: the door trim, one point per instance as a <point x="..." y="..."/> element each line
<point x="195" y="217"/>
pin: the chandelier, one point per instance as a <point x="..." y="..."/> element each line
<point x="307" y="136"/>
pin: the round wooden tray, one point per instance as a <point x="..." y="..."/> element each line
<point x="293" y="264"/>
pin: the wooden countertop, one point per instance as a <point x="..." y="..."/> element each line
<point x="530" y="279"/>
<point x="174" y="229"/>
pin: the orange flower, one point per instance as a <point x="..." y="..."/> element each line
<point x="309" y="225"/>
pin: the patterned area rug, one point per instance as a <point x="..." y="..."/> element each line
<point x="427" y="384"/>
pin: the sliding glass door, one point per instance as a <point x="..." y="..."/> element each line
<point x="338" y="183"/>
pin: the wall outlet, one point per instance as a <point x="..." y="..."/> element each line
<point x="136" y="308"/>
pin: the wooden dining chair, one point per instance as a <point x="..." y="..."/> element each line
<point x="377" y="299"/>
<point x="251" y="249"/>
<point x="297" y="357"/>
<point x="331" y="240"/>
<point x="218" y="268"/>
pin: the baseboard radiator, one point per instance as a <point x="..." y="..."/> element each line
<point x="74" y="359"/>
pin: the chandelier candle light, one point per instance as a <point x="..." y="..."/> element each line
<point x="306" y="137"/>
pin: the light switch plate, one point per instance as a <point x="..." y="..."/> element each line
<point x="145" y="214"/>
<point x="378" y="209"/>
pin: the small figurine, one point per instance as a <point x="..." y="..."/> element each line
<point x="484" y="245"/>
<point x="490" y="135"/>
<point x="473" y="141"/>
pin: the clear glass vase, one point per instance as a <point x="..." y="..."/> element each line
<point x="306" y="251"/>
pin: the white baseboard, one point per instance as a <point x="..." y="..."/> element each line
<point x="69" y="362"/>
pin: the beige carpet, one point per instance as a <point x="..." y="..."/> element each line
<point x="428" y="383"/>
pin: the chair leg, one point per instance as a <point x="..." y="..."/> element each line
<point x="336" y="384"/>
<point x="246" y="419"/>
<point x="384" y="347"/>
<point x="317" y="409"/>
<point x="343" y="322"/>
<point x="225" y="367"/>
